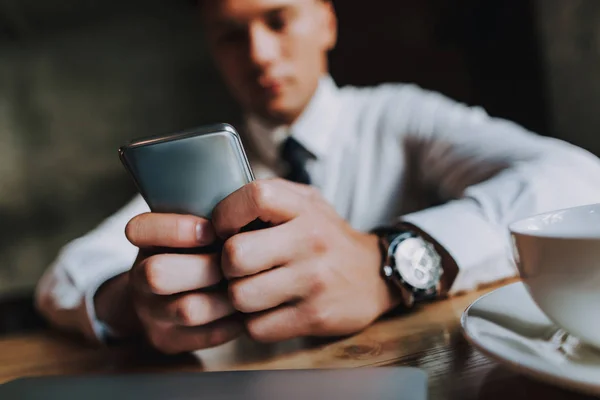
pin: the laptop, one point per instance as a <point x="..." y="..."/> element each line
<point x="383" y="383"/>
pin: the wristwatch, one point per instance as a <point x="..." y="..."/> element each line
<point x="410" y="263"/>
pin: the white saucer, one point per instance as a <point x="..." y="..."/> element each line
<point x="507" y="326"/>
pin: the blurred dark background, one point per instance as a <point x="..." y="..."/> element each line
<point x="80" y="77"/>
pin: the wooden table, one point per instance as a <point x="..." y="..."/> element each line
<point x="428" y="338"/>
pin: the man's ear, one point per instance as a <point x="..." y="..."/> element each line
<point x="330" y="23"/>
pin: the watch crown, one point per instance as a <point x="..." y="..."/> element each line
<point x="388" y="271"/>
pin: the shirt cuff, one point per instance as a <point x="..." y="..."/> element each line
<point x="481" y="250"/>
<point x="100" y="330"/>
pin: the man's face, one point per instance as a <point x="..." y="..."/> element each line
<point x="271" y="52"/>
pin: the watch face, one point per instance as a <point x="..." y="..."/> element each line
<point x="418" y="263"/>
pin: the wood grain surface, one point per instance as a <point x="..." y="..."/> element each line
<point x="429" y="338"/>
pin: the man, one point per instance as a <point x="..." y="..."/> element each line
<point x="444" y="179"/>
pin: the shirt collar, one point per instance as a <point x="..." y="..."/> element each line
<point x="314" y="128"/>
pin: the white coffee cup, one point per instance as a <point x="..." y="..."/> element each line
<point x="558" y="258"/>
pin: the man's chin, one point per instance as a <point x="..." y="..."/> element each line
<point x="278" y="112"/>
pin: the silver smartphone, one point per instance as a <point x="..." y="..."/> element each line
<point x="188" y="172"/>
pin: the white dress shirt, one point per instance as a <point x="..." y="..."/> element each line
<point x="383" y="154"/>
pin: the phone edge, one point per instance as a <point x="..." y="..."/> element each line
<point x="162" y="138"/>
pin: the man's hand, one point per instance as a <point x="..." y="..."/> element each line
<point x="171" y="292"/>
<point x="310" y="274"/>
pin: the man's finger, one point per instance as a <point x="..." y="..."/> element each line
<point x="266" y="200"/>
<point x="300" y="188"/>
<point x="249" y="253"/>
<point x="191" y="309"/>
<point x="166" y="274"/>
<point x="270" y="289"/>
<point x="276" y="325"/>
<point x="169" y="230"/>
<point x="180" y="339"/>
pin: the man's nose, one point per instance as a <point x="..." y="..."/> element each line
<point x="264" y="46"/>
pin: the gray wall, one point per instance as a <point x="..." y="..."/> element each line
<point x="70" y="94"/>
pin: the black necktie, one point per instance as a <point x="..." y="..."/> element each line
<point x="295" y="156"/>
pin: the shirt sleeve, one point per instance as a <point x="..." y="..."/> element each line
<point x="487" y="172"/>
<point x="64" y="295"/>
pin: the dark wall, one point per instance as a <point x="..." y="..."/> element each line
<point x="483" y="52"/>
<point x="569" y="34"/>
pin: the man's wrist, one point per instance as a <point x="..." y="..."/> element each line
<point x="389" y="297"/>
<point x="114" y="308"/>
